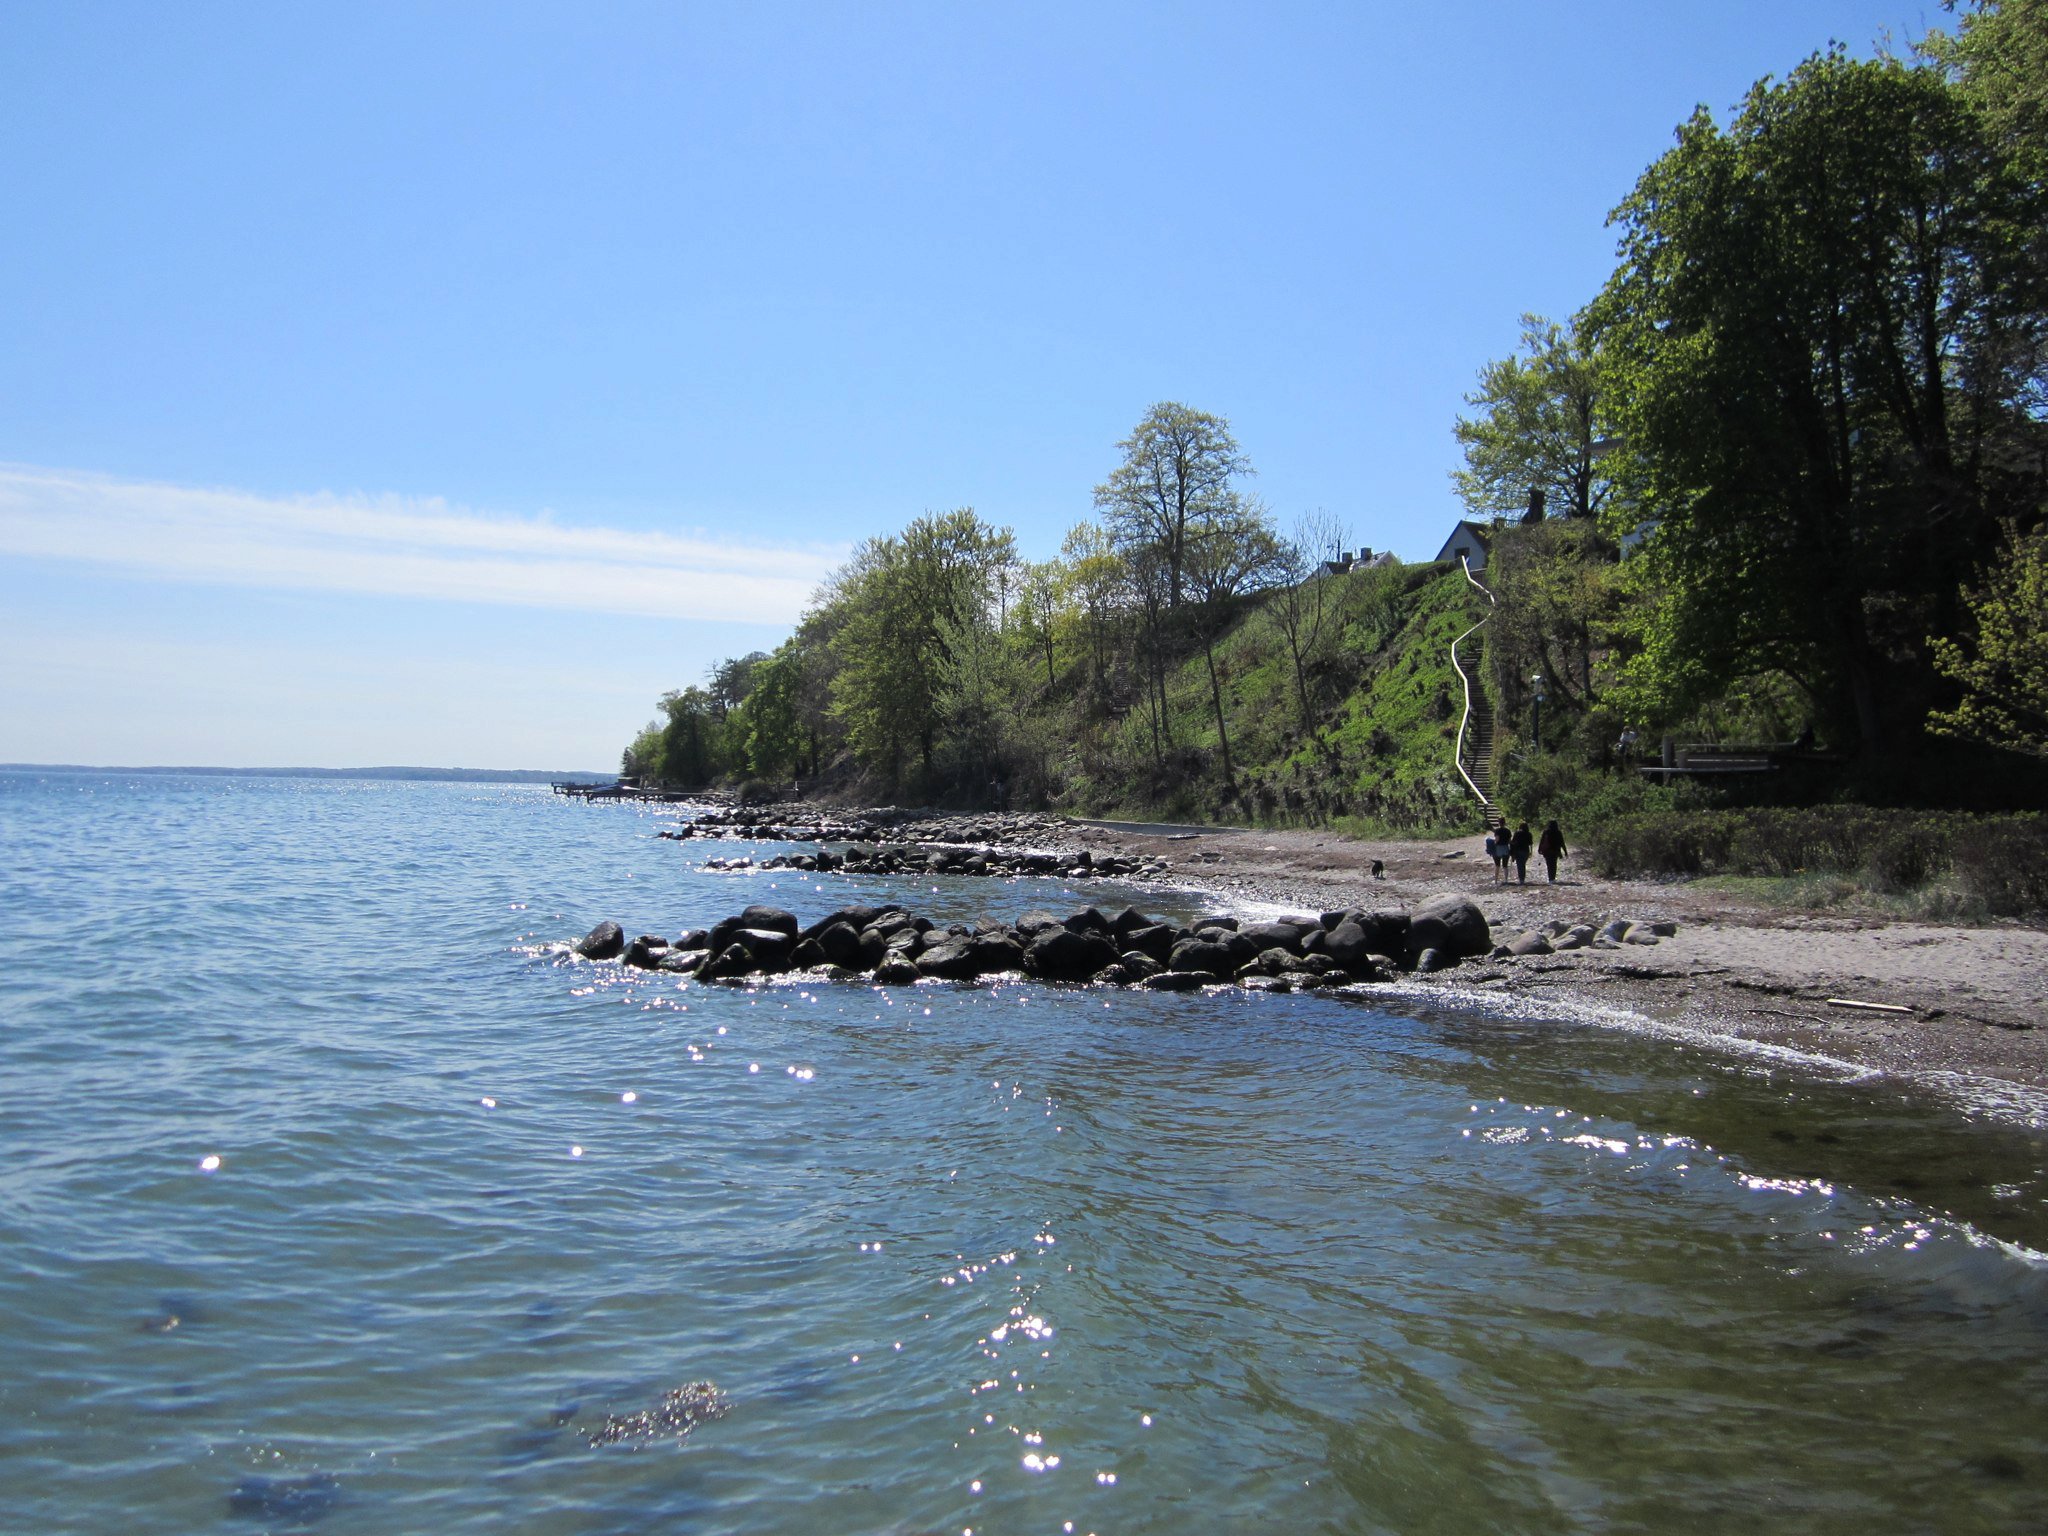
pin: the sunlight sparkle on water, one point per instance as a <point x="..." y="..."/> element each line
<point x="209" y="1163"/>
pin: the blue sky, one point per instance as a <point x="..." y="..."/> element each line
<point x="438" y="383"/>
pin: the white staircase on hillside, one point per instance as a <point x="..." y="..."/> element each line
<point x="1473" y="753"/>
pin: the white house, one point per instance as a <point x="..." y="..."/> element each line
<point x="1468" y="542"/>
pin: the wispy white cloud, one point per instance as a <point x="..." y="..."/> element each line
<point x="398" y="547"/>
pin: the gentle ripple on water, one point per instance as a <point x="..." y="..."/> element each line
<point x="997" y="1258"/>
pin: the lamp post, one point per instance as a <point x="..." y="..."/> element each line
<point x="1536" y="724"/>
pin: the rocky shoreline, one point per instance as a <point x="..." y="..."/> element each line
<point x="1008" y="844"/>
<point x="1964" y="1003"/>
<point x="893" y="946"/>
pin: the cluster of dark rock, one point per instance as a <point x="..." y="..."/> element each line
<point x="1126" y="948"/>
<point x="679" y="1411"/>
<point x="953" y="859"/>
<point x="745" y="824"/>
<point x="990" y="843"/>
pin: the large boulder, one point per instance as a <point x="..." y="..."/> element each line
<point x="607" y="941"/>
<point x="1275" y="962"/>
<point x="1128" y="922"/>
<point x="1452" y="925"/>
<point x="1091" y="920"/>
<point x="645" y="952"/>
<point x="771" y="917"/>
<point x="897" y="971"/>
<point x="1157" y="940"/>
<point x="951" y="959"/>
<point x="771" y="948"/>
<point x="1534" y="942"/>
<point x="1348" y="945"/>
<point x="855" y="918"/>
<point x="1177" y="981"/>
<point x="840" y="942"/>
<point x="994" y="952"/>
<point x="1273" y="936"/>
<point x="1031" y="924"/>
<point x="1136" y="964"/>
<point x="1386" y="933"/>
<point x="1206" y="957"/>
<point x="733" y="960"/>
<point x="1060" y="954"/>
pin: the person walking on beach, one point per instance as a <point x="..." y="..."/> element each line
<point x="1518" y="850"/>
<point x="1551" y="846"/>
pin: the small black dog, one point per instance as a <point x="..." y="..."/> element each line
<point x="1379" y="869"/>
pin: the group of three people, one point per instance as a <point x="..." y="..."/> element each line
<point x="1503" y="846"/>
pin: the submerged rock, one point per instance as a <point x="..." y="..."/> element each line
<point x="286" y="1500"/>
<point x="678" y="1412"/>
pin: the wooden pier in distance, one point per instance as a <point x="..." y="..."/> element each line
<point x="622" y="789"/>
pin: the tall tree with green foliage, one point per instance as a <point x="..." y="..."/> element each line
<point x="2002" y="668"/>
<point x="898" y="597"/>
<point x="1815" y="346"/>
<point x="1999" y="56"/>
<point x="1177" y="473"/>
<point x="786" y="707"/>
<point x="1539" y="423"/>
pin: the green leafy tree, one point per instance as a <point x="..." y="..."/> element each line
<point x="1098" y="584"/>
<point x="1178" y="470"/>
<point x="1539" y="424"/>
<point x="786" y="709"/>
<point x="2002" y="669"/>
<point x="693" y="738"/>
<point x="732" y="680"/>
<point x="898" y="599"/>
<point x="1815" y="348"/>
<point x="1041" y="601"/>
<point x="1999" y="55"/>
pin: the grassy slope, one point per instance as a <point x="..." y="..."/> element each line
<point x="1386" y="709"/>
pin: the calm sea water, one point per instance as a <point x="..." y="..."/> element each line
<point x="1011" y="1259"/>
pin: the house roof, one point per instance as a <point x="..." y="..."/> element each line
<point x="1462" y="530"/>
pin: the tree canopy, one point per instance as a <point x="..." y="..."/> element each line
<point x="1818" y="342"/>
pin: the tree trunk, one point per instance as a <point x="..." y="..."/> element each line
<point x="1300" y="683"/>
<point x="1222" y="730"/>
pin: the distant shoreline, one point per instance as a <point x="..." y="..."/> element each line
<point x="425" y="775"/>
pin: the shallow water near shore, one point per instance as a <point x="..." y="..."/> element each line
<point x="993" y="1259"/>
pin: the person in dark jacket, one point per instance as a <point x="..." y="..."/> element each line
<point x="1518" y="850"/>
<point x="1551" y="846"/>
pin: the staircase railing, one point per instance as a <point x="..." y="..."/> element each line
<point x="1486" y="804"/>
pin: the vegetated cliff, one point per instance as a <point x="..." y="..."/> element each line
<point x="1383" y="704"/>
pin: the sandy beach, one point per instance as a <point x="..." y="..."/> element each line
<point x="1734" y="968"/>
